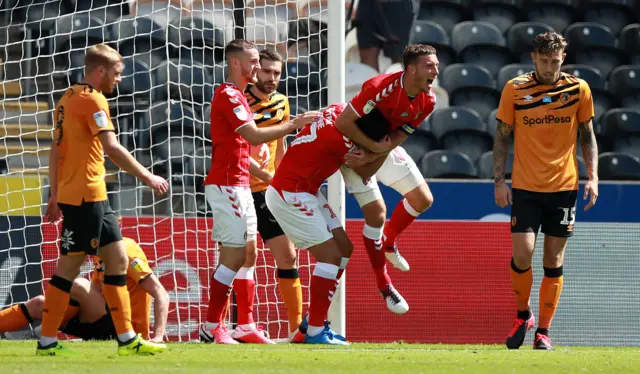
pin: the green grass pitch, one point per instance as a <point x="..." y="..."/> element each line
<point x="100" y="357"/>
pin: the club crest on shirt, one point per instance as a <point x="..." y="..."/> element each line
<point x="369" y="107"/>
<point x="280" y="113"/>
<point x="564" y="98"/>
<point x="240" y="112"/>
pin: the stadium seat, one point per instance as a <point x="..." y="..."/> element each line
<point x="302" y="78"/>
<point x="465" y="75"/>
<point x="557" y="14"/>
<point x="618" y="166"/>
<point x="429" y="32"/>
<point x="630" y="40"/>
<point x="419" y="144"/>
<point x="584" y="34"/>
<point x="453" y="119"/>
<point x="627" y="144"/>
<point x="605" y="59"/>
<point x="447" y="164"/>
<point x="185" y="81"/>
<point x="481" y="99"/>
<point x="520" y="38"/>
<point x="136" y="82"/>
<point x="502" y="14"/>
<point x="625" y="80"/>
<point x="140" y="35"/>
<point x="631" y="100"/>
<point x="511" y="71"/>
<point x="485" y="166"/>
<point x="492" y="123"/>
<point x="602" y="102"/>
<point x="462" y="130"/>
<point x="619" y="121"/>
<point x="79" y="30"/>
<point x="425" y="128"/>
<point x="41" y="15"/>
<point x="612" y="14"/>
<point x="492" y="57"/>
<point x="445" y="13"/>
<point x="473" y="33"/>
<point x="355" y="76"/>
<point x="198" y="38"/>
<point x="590" y="75"/>
<point x="108" y="11"/>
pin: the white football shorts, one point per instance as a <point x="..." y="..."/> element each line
<point x="234" y="215"/>
<point x="306" y="219"/>
<point x="398" y="171"/>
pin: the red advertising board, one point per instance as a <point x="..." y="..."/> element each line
<point x="458" y="287"/>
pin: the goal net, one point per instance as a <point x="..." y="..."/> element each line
<point x="173" y="57"/>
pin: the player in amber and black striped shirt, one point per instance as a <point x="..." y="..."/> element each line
<point x="545" y="110"/>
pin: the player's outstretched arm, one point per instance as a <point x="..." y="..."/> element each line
<point x="125" y="160"/>
<point x="153" y="287"/>
<point x="590" y="154"/>
<point x="500" y="153"/>
<point x="256" y="135"/>
<point x="346" y="123"/>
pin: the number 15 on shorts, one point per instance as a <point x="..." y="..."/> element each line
<point x="569" y="216"/>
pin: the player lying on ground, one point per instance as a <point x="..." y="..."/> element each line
<point x="294" y="199"/>
<point x="87" y="315"/>
<point x="83" y="133"/>
<point x="233" y="131"/>
<point x="404" y="99"/>
<point x="544" y="109"/>
<point x="269" y="108"/>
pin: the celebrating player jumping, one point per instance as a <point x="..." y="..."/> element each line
<point x="544" y="110"/>
<point x="404" y="99"/>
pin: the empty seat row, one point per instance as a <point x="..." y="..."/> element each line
<point x="557" y="14"/>
<point x="483" y="43"/>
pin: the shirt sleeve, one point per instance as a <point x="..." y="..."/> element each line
<point x="234" y="108"/>
<point x="287" y="111"/>
<point x="365" y="100"/>
<point x="97" y="114"/>
<point x="506" y="109"/>
<point x="585" y="105"/>
<point x="138" y="268"/>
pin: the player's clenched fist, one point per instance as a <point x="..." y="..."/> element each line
<point x="306" y="119"/>
<point x="156" y="183"/>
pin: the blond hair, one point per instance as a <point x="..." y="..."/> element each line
<point x="100" y="55"/>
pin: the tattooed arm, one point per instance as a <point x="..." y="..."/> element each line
<point x="589" y="148"/>
<point x="501" y="151"/>
<point x="590" y="154"/>
<point x="500" y="154"/>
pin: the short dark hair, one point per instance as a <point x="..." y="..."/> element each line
<point x="237" y="45"/>
<point x="270" y="55"/>
<point x="548" y="42"/>
<point x="413" y="51"/>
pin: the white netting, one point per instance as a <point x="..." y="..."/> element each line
<point x="173" y="54"/>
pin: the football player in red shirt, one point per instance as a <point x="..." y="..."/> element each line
<point x="233" y="131"/>
<point x="405" y="99"/>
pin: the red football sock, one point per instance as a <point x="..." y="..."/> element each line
<point x="378" y="262"/>
<point x="219" y="291"/>
<point x="403" y="215"/>
<point x="244" y="287"/>
<point x="323" y="285"/>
